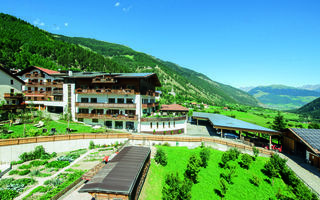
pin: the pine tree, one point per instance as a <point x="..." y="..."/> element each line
<point x="279" y="123"/>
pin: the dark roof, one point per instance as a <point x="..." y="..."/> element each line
<point x="119" y="176"/>
<point x="224" y="122"/>
<point x="174" y="107"/>
<point x="12" y="75"/>
<point x="311" y="137"/>
<point x="47" y="71"/>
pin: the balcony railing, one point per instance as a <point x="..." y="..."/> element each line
<point x="10" y="107"/>
<point x="104" y="80"/>
<point x="13" y="95"/>
<point x="44" y="84"/>
<point x="57" y="92"/>
<point x="106" y="105"/>
<point x="107" y="116"/>
<point x="159" y="119"/>
<point x="150" y="105"/>
<point x="105" y="91"/>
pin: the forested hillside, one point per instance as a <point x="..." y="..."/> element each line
<point x="311" y="109"/>
<point x="23" y="45"/>
<point x="186" y="83"/>
<point x="283" y="97"/>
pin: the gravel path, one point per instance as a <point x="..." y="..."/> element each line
<point x="42" y="180"/>
<point x="306" y="175"/>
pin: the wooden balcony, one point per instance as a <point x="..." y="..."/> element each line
<point x="160" y="119"/>
<point x="107" y="117"/>
<point x="57" y="92"/>
<point x="45" y="84"/>
<point x="37" y="93"/>
<point x="12" y="107"/>
<point x="13" y="95"/>
<point x="106" y="91"/>
<point x="35" y="75"/>
<point x="106" y="105"/>
<point x="150" y="105"/>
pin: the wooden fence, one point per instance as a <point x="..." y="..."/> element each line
<point x="17" y="141"/>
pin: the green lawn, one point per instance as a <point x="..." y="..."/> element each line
<point x="209" y="178"/>
<point x="59" y="125"/>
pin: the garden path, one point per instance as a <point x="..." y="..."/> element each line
<point x="42" y="180"/>
<point x="305" y="173"/>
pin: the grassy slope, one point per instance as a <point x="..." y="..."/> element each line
<point x="209" y="178"/>
<point x="311" y="109"/>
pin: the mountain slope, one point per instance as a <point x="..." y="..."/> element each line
<point x="311" y="87"/>
<point x="283" y="97"/>
<point x="311" y="109"/>
<point x="23" y="45"/>
<point x="183" y="81"/>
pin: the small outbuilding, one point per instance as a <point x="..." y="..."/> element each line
<point x="123" y="177"/>
<point x="304" y="143"/>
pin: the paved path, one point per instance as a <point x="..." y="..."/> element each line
<point x="42" y="180"/>
<point x="305" y="173"/>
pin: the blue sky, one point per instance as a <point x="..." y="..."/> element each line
<point x="236" y="42"/>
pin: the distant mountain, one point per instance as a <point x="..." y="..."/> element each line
<point x="23" y="45"/>
<point x="283" y="97"/>
<point x="311" y="109"/>
<point x="246" y="89"/>
<point x="311" y="87"/>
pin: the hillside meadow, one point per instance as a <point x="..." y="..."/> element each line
<point x="208" y="184"/>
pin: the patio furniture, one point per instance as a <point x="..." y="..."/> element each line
<point x="53" y="131"/>
<point x="44" y="130"/>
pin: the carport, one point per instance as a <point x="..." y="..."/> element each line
<point x="223" y="123"/>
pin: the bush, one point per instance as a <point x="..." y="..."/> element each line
<point x="193" y="168"/>
<point x="8" y="194"/>
<point x="16" y="162"/>
<point x="39" y="152"/>
<point x="24" y="172"/>
<point x="204" y="156"/>
<point x="25" y="167"/>
<point x="255" y="152"/>
<point x="246" y="160"/>
<point x="166" y="144"/>
<point x="255" y="180"/>
<point x="234" y="153"/>
<point x="174" y="188"/>
<point x="37" y="163"/>
<point x="12" y="172"/>
<point x="91" y="145"/>
<point x="161" y="157"/>
<point x="229" y="174"/>
<point x="57" y="164"/>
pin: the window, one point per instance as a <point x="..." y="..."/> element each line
<point x="130" y="101"/>
<point x="150" y="124"/>
<point x="157" y="125"/>
<point x="115" y="87"/>
<point x="95" y="120"/>
<point x="174" y="123"/>
<point x="84" y="110"/>
<point x="49" y="80"/>
<point x="13" y="102"/>
<point x="36" y="98"/>
<point x="121" y="100"/>
<point x="108" y="124"/>
<point x="80" y="119"/>
<point x="112" y="100"/>
<point x="11" y="90"/>
<point x="119" y="124"/>
<point x="29" y="88"/>
<point x="163" y="124"/>
<point x="11" y="82"/>
<point x="130" y="87"/>
<point x="93" y="100"/>
<point x="169" y="124"/>
<point x="144" y="101"/>
<point x="84" y="100"/>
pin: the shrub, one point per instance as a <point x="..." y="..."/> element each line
<point x="193" y="168"/>
<point x="204" y="156"/>
<point x="166" y="144"/>
<point x="16" y="162"/>
<point x="91" y="145"/>
<point x="57" y="164"/>
<point x="255" y="152"/>
<point x="171" y="188"/>
<point x="25" y="167"/>
<point x="12" y="172"/>
<point x="35" y="172"/>
<point x="234" y="153"/>
<point x="24" y="172"/>
<point x="255" y="180"/>
<point x="223" y="187"/>
<point x="246" y="160"/>
<point x="229" y="174"/>
<point x="39" y="152"/>
<point x="37" y="163"/>
<point x="161" y="157"/>
<point x="8" y="194"/>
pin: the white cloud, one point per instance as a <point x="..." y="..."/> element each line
<point x="38" y="22"/>
<point x="127" y="9"/>
<point x="117" y="4"/>
<point x="66" y="24"/>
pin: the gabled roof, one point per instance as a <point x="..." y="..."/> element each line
<point x="311" y="137"/>
<point x="47" y="71"/>
<point x="10" y="74"/>
<point x="174" y="107"/>
<point x="121" y="174"/>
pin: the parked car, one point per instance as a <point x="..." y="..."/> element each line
<point x="231" y="135"/>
